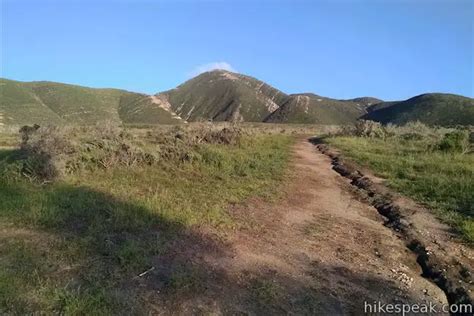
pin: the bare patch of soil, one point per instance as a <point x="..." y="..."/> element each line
<point x="163" y="103"/>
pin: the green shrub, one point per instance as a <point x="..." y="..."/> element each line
<point x="45" y="150"/>
<point x="417" y="128"/>
<point x="412" y="136"/>
<point x="51" y="152"/>
<point x="457" y="141"/>
<point x="364" y="128"/>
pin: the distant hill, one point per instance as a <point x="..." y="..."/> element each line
<point x="431" y="108"/>
<point x="366" y="101"/>
<point x="216" y="96"/>
<point x="314" y="109"/>
<point x="45" y="102"/>
<point x="224" y="96"/>
<point x="20" y="105"/>
<point x="381" y="105"/>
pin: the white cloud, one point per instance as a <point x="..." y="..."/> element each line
<point x="211" y="66"/>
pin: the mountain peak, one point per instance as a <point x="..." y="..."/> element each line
<point x="222" y="95"/>
<point x="220" y="71"/>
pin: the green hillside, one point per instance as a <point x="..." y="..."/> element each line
<point x="313" y="109"/>
<point x="20" y="105"/>
<point x="432" y="109"/>
<point x="143" y="109"/>
<point x="76" y="104"/>
<point x="217" y="96"/>
<point x="224" y="96"/>
<point x="45" y="102"/>
<point x="380" y="105"/>
<point x="366" y="101"/>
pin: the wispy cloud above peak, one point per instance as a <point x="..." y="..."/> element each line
<point x="222" y="65"/>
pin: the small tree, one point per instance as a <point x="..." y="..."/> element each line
<point x="26" y="131"/>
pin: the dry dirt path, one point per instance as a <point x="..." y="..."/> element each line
<point x="319" y="250"/>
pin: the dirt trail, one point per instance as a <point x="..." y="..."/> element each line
<point x="320" y="250"/>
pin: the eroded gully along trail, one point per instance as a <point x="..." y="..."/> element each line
<point x="319" y="250"/>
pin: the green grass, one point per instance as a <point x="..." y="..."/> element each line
<point x="75" y="245"/>
<point x="265" y="291"/>
<point x="443" y="181"/>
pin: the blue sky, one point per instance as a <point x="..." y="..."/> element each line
<point x="342" y="49"/>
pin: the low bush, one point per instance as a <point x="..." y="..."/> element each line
<point x="456" y="141"/>
<point x="51" y="152"/>
<point x="415" y="128"/>
<point x="370" y="129"/>
<point x="45" y="151"/>
<point x="362" y="128"/>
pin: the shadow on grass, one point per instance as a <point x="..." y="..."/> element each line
<point x="74" y="250"/>
<point x="317" y="140"/>
<point x="9" y="154"/>
<point x="96" y="249"/>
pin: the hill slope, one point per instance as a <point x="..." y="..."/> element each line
<point x="224" y="96"/>
<point x="314" y="109"/>
<point x="76" y="104"/>
<point x="365" y="101"/>
<point x="143" y="109"/>
<point x="432" y="109"/>
<point x="20" y="105"/>
<point x="57" y="103"/>
<point x="219" y="96"/>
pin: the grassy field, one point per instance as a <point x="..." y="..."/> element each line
<point x="442" y="180"/>
<point x="75" y="244"/>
